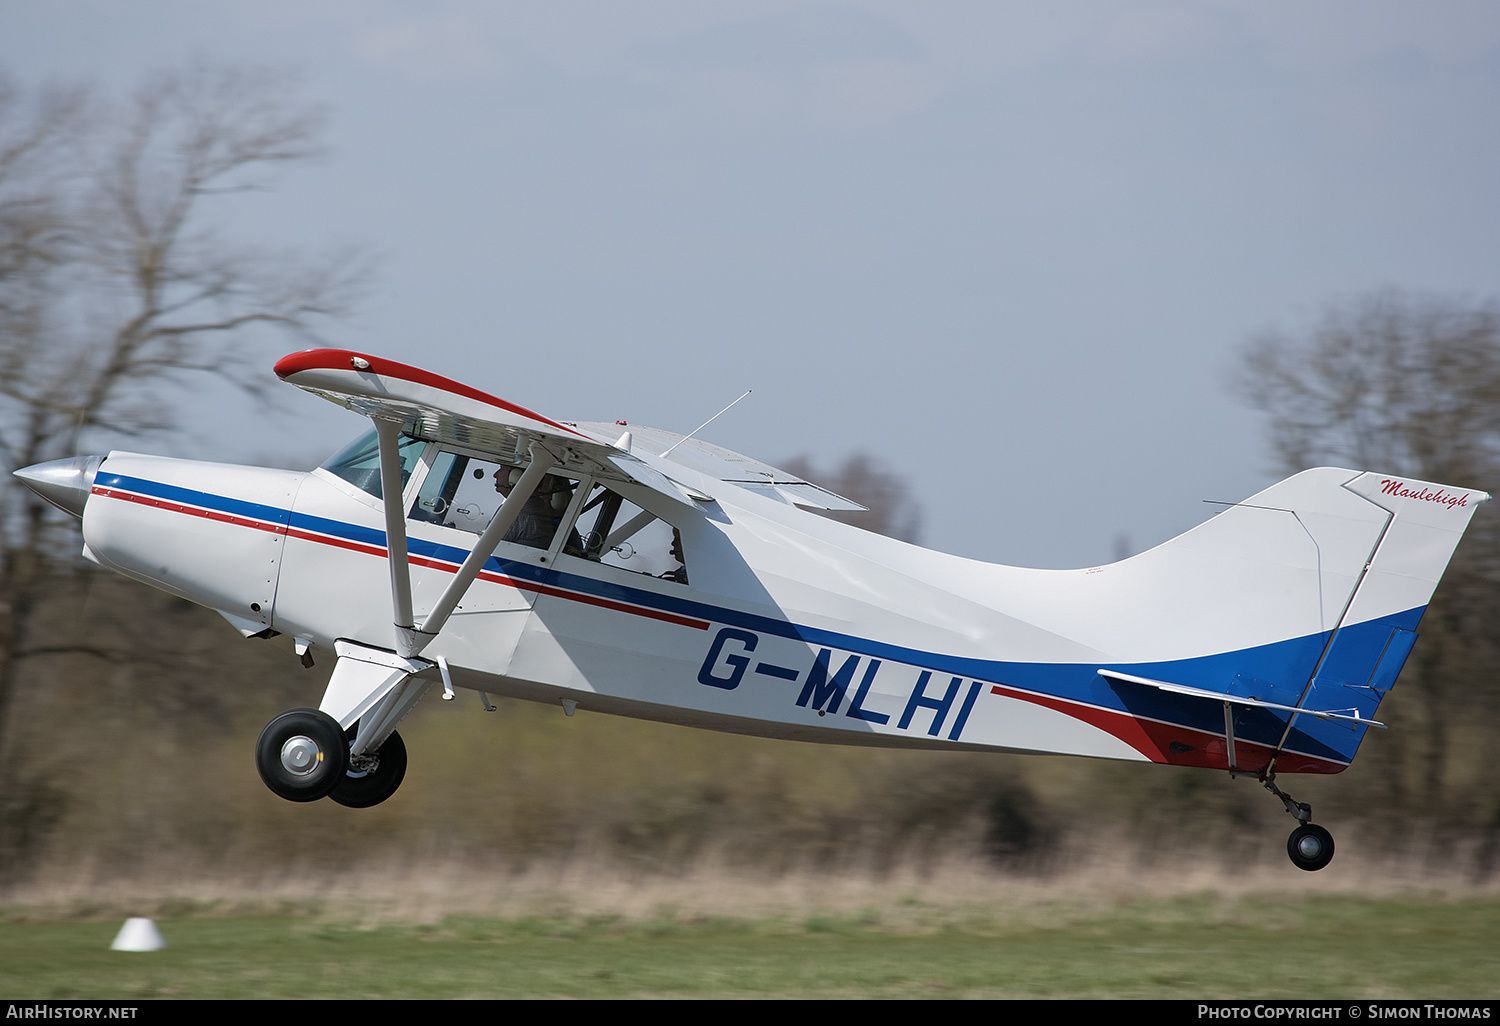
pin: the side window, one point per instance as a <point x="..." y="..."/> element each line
<point x="359" y="461"/>
<point x="458" y="492"/>
<point x="465" y="493"/>
<point x="616" y="532"/>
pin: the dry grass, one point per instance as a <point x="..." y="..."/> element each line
<point x="912" y="896"/>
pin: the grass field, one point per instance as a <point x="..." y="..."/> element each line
<point x="1194" y="946"/>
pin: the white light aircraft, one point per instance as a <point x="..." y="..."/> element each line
<point x="466" y="542"/>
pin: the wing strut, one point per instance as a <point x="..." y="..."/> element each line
<point x="388" y="431"/>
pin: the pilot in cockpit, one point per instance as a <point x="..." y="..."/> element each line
<point x="537" y="523"/>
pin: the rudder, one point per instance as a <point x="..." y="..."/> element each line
<point x="1378" y="631"/>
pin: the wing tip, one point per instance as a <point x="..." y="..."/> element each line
<point x="344" y="360"/>
<point x="328" y="359"/>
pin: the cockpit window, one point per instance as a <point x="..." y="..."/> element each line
<point x="359" y="461"/>
<point x="616" y="532"/>
<point x="465" y="492"/>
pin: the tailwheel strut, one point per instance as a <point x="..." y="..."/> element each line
<point x="1301" y="811"/>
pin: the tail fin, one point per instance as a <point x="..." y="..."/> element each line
<point x="1302" y="599"/>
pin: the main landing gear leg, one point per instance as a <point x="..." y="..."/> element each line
<point x="1310" y="847"/>
<point x="348" y="748"/>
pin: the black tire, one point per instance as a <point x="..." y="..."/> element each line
<point x="302" y="754"/>
<point x="1310" y="847"/>
<point x="360" y="790"/>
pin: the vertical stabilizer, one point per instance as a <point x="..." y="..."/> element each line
<point x="1376" y="634"/>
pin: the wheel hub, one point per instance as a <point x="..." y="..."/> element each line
<point x="1310" y="847"/>
<point x="300" y="755"/>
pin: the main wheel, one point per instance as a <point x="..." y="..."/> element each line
<point x="373" y="777"/>
<point x="302" y="754"/>
<point x="1310" y="847"/>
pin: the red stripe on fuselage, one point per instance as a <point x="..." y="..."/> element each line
<point x="378" y="550"/>
<point x="196" y="511"/>
<point x="1154" y="738"/>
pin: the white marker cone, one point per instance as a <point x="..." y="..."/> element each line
<point x="138" y="935"/>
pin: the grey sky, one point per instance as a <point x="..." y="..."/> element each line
<point x="1010" y="248"/>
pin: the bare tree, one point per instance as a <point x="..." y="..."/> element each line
<point x="892" y="510"/>
<point x="1388" y="382"/>
<point x="116" y="287"/>
<point x="1408" y="385"/>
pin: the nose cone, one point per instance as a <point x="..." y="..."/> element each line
<point x="64" y="483"/>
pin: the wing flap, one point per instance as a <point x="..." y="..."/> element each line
<point x="731" y="467"/>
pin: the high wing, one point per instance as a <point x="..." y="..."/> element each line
<point x="438" y="409"/>
<point x="435" y="408"/>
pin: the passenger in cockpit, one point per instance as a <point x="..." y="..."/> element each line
<point x="537" y="523"/>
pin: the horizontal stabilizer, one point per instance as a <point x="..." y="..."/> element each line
<point x="1350" y="715"/>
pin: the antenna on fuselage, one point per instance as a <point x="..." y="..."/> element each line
<point x="705" y="424"/>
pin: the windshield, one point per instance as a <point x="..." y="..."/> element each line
<point x="359" y="461"/>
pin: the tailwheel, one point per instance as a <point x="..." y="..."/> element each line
<point x="302" y="754"/>
<point x="1310" y="847"/>
<point x="373" y="777"/>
